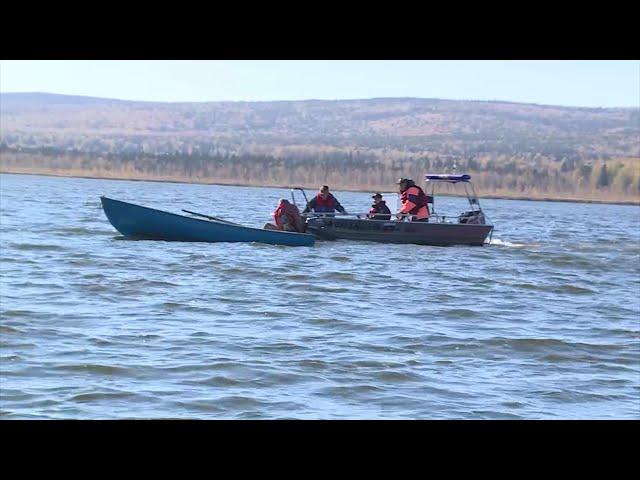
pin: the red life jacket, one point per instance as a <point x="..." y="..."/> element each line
<point x="290" y="212"/>
<point x="415" y="195"/>
<point x="325" y="204"/>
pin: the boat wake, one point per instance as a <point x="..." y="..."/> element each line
<point x="504" y="243"/>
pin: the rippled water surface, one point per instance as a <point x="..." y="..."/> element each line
<point x="544" y="323"/>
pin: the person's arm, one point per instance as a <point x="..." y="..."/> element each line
<point x="407" y="206"/>
<point x="310" y="205"/>
<point x="339" y="207"/>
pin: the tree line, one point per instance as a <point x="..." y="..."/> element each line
<point x="523" y="175"/>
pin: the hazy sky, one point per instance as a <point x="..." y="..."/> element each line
<point x="571" y="83"/>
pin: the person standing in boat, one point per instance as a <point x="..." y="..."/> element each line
<point x="324" y="202"/>
<point x="379" y="209"/>
<point x="414" y="201"/>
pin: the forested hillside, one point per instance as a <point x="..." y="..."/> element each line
<point x="510" y="149"/>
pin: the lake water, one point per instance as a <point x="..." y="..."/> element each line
<point x="542" y="324"/>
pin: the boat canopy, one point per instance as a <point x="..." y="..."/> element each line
<point x="447" y="178"/>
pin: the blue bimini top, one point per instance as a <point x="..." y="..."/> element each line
<point x="447" y="178"/>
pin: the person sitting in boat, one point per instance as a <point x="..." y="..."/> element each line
<point x="324" y="202"/>
<point x="287" y="217"/>
<point x="379" y="209"/>
<point x="414" y="201"/>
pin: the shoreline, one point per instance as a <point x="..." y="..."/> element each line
<point x="486" y="197"/>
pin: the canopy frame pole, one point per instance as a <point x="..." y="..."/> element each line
<point x="293" y="198"/>
<point x="433" y="199"/>
<point x="475" y="197"/>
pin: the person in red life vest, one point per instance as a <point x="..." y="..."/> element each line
<point x="324" y="202"/>
<point x="379" y="209"/>
<point x="287" y="217"/>
<point x="414" y="200"/>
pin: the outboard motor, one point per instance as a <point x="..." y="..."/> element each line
<point x="472" y="217"/>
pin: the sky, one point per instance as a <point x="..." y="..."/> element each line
<point x="583" y="83"/>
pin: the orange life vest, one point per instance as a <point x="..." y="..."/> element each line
<point x="414" y="202"/>
<point x="287" y="213"/>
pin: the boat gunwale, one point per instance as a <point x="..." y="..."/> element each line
<point x="408" y="223"/>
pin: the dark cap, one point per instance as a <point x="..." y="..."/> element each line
<point x="377" y="195"/>
<point x="402" y="180"/>
<point x="324" y="187"/>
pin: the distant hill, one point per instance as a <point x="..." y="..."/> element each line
<point x="37" y="99"/>
<point x="409" y="124"/>
<point x="384" y="134"/>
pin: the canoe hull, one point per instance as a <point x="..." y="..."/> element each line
<point x="147" y="223"/>
<point x="421" y="233"/>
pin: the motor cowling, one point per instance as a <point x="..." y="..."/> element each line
<point x="475" y="217"/>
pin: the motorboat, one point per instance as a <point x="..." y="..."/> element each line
<point x="468" y="228"/>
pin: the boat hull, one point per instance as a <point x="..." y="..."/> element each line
<point x="421" y="233"/>
<point x="147" y="223"/>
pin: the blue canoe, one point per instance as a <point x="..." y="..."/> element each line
<point x="147" y="223"/>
